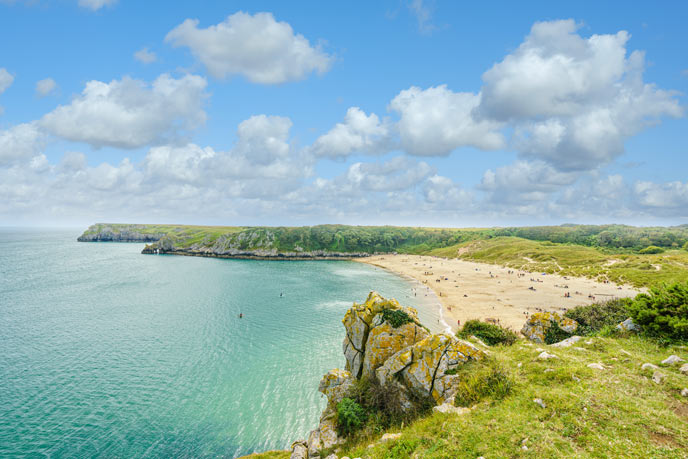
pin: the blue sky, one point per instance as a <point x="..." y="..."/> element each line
<point x="392" y="112"/>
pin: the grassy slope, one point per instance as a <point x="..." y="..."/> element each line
<point x="575" y="260"/>
<point x="619" y="412"/>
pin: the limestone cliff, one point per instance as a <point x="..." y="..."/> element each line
<point x="385" y="341"/>
<point x="104" y="232"/>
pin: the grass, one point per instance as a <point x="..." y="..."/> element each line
<point x="616" y="265"/>
<point x="618" y="412"/>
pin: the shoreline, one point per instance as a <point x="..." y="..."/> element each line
<point x="469" y="290"/>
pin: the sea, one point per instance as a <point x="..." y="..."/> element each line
<point x="105" y="352"/>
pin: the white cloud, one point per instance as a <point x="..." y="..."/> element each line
<point x="444" y="193"/>
<point x="359" y="133"/>
<point x="257" y="47"/>
<point x="669" y="196"/>
<point x="95" y="5"/>
<point x="20" y="142"/>
<point x="6" y="79"/>
<point x="45" y="87"/>
<point x="524" y="181"/>
<point x="145" y="56"/>
<point x="573" y="101"/>
<point x="130" y="113"/>
<point x="436" y="121"/>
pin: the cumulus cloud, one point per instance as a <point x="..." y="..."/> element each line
<point x="6" y="79"/>
<point x="45" y="87"/>
<point x="524" y="181"/>
<point x="436" y="121"/>
<point x="130" y="113"/>
<point x="255" y="46"/>
<point x="359" y="133"/>
<point x="95" y="5"/>
<point x="669" y="196"/>
<point x="145" y="56"/>
<point x="20" y="142"/>
<point x="573" y="101"/>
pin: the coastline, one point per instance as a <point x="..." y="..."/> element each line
<point x="469" y="290"/>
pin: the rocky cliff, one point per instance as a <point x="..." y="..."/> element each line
<point x="255" y="244"/>
<point x="103" y="232"/>
<point x="386" y="342"/>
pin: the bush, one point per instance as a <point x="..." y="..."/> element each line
<point x="384" y="405"/>
<point x="594" y="317"/>
<point x="489" y="333"/>
<point x="396" y="317"/>
<point x="487" y="380"/>
<point x="663" y="312"/>
<point x="651" y="249"/>
<point x="555" y="333"/>
<point x="350" y="416"/>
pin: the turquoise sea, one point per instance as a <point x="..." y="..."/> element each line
<point x="105" y="352"/>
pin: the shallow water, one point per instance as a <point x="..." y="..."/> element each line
<point x="107" y="352"/>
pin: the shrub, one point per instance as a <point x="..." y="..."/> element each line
<point x="487" y="380"/>
<point x="396" y="317"/>
<point x="384" y="405"/>
<point x="350" y="416"/>
<point x="555" y="333"/>
<point x="489" y="333"/>
<point x="663" y="312"/>
<point x="651" y="249"/>
<point x="594" y="317"/>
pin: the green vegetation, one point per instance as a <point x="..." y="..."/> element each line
<point x="555" y="333"/>
<point x="350" y="416"/>
<point x="396" y="317"/>
<point x="381" y="409"/>
<point x="574" y="260"/>
<point x="618" y="412"/>
<point x="480" y="381"/>
<point x="595" y="317"/>
<point x="651" y="249"/>
<point x="491" y="334"/>
<point x="663" y="312"/>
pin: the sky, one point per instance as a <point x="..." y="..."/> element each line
<point x="399" y="112"/>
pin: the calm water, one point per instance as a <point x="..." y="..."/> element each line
<point x="107" y="352"/>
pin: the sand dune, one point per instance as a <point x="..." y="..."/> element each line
<point x="479" y="291"/>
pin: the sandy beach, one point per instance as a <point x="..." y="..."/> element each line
<point x="480" y="291"/>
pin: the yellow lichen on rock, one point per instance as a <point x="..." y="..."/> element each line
<point x="422" y="367"/>
<point x="360" y="319"/>
<point x="537" y="325"/>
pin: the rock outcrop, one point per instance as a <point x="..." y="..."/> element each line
<point x="537" y="325"/>
<point x="386" y="342"/>
<point x="104" y="232"/>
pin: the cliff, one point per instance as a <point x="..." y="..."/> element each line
<point x="106" y="232"/>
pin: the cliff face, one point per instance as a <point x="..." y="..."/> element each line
<point x="102" y="232"/>
<point x="256" y="244"/>
<point x="386" y="342"/>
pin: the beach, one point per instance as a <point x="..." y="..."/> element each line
<point x="471" y="290"/>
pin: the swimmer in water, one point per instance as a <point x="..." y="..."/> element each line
<point x="241" y="315"/>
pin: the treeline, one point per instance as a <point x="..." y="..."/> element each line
<point x="386" y="239"/>
<point x="369" y="239"/>
<point x="610" y="236"/>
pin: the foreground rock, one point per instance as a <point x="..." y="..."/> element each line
<point x="628" y="326"/>
<point x="386" y="343"/>
<point x="535" y="329"/>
